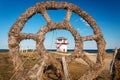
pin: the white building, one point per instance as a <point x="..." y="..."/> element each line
<point x="61" y="44"/>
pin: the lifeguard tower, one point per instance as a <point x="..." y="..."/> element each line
<point x="61" y="44"/>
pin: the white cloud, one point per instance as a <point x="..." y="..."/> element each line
<point x="81" y="19"/>
<point x="84" y="22"/>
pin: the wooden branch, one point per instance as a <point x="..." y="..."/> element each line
<point x="68" y="15"/>
<point x="46" y="16"/>
<point x="27" y="36"/>
<point x="91" y="37"/>
<point x="40" y="71"/>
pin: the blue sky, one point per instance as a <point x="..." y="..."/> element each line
<point x="105" y="12"/>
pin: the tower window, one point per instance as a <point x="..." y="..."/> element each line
<point x="59" y="39"/>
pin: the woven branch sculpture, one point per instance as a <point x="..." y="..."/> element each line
<point x="15" y="37"/>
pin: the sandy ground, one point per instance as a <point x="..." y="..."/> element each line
<point x="93" y="56"/>
<point x="6" y="67"/>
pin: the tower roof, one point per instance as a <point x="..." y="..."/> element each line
<point x="61" y="38"/>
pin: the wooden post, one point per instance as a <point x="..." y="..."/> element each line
<point x="113" y="59"/>
<point x="65" y="69"/>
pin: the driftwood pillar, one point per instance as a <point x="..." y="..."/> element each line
<point x="115" y="65"/>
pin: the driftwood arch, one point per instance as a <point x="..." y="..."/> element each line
<point x="15" y="36"/>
